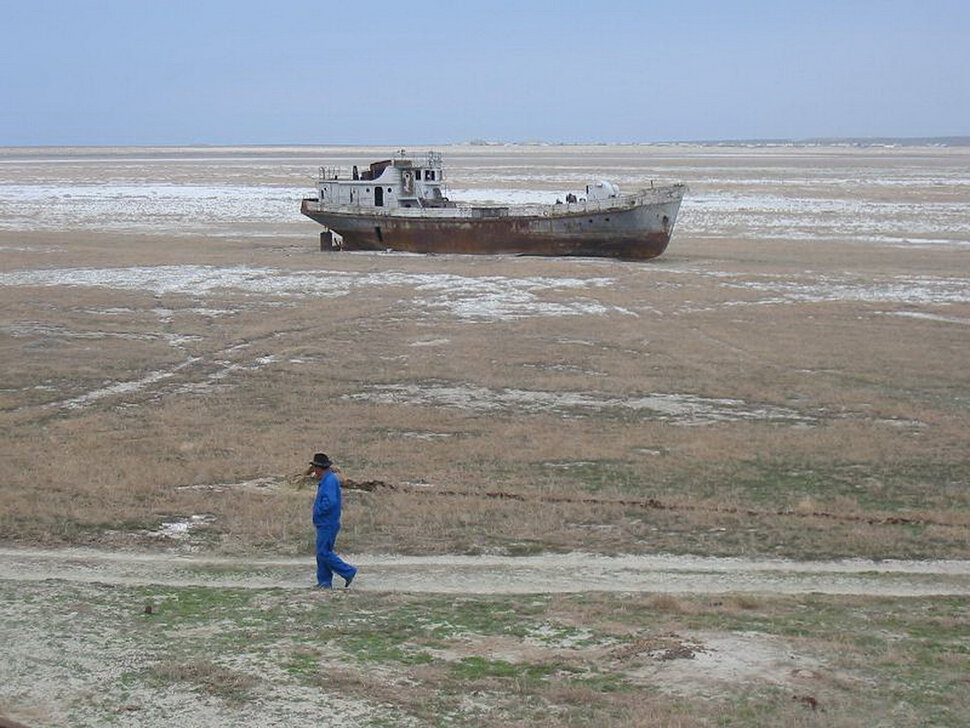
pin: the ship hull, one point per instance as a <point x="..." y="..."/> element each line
<point x="636" y="228"/>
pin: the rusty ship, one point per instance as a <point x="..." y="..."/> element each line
<point x="399" y="204"/>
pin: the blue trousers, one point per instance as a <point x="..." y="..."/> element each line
<point x="327" y="561"/>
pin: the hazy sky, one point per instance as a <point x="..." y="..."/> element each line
<point x="379" y="72"/>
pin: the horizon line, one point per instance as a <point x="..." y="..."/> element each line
<point x="946" y="140"/>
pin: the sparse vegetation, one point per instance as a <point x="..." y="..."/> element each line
<point x="737" y="397"/>
<point x="225" y="413"/>
<point x="534" y="660"/>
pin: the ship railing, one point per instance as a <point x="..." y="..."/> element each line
<point x="327" y="174"/>
<point x="544" y="210"/>
<point x="624" y="201"/>
<point x="472" y="209"/>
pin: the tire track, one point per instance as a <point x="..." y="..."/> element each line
<point x="545" y="574"/>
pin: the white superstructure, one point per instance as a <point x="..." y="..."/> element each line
<point x="390" y="184"/>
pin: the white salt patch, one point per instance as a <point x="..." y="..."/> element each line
<point x="907" y="241"/>
<point x="902" y="424"/>
<point x="257" y="484"/>
<point x="230" y="368"/>
<point x="121" y="388"/>
<point x="682" y="409"/>
<point x="165" y="315"/>
<point x="28" y="328"/>
<point x="427" y="436"/>
<point x="175" y="209"/>
<point x="181" y="528"/>
<point x="929" y="317"/>
<point x="485" y="298"/>
<point x="114" y="311"/>
<point x="809" y="288"/>
<point x="570" y="465"/>
<point x="190" y="280"/>
<point x="179" y="340"/>
<point x="550" y="635"/>
<point x="722" y="213"/>
<point x="900" y="289"/>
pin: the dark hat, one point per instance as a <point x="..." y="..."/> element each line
<point x="320" y="460"/>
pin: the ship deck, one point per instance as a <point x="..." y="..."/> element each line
<point x="472" y="210"/>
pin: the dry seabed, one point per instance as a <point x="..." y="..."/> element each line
<point x="175" y="345"/>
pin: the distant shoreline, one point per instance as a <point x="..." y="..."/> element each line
<point x="943" y="141"/>
<point x="850" y="142"/>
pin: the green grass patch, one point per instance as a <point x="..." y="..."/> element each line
<point x="481" y="668"/>
<point x="581" y="657"/>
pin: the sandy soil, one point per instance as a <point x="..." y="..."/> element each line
<point x="547" y="574"/>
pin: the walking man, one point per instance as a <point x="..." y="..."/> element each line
<point x="326" y="518"/>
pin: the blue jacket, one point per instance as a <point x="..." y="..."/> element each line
<point x="326" y="506"/>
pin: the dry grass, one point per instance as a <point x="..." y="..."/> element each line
<point x="883" y="401"/>
<point x="206" y="676"/>
<point x="126" y="455"/>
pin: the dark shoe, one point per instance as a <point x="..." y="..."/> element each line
<point x="350" y="579"/>
<point x="324" y="586"/>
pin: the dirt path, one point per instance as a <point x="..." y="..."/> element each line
<point x="502" y="575"/>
